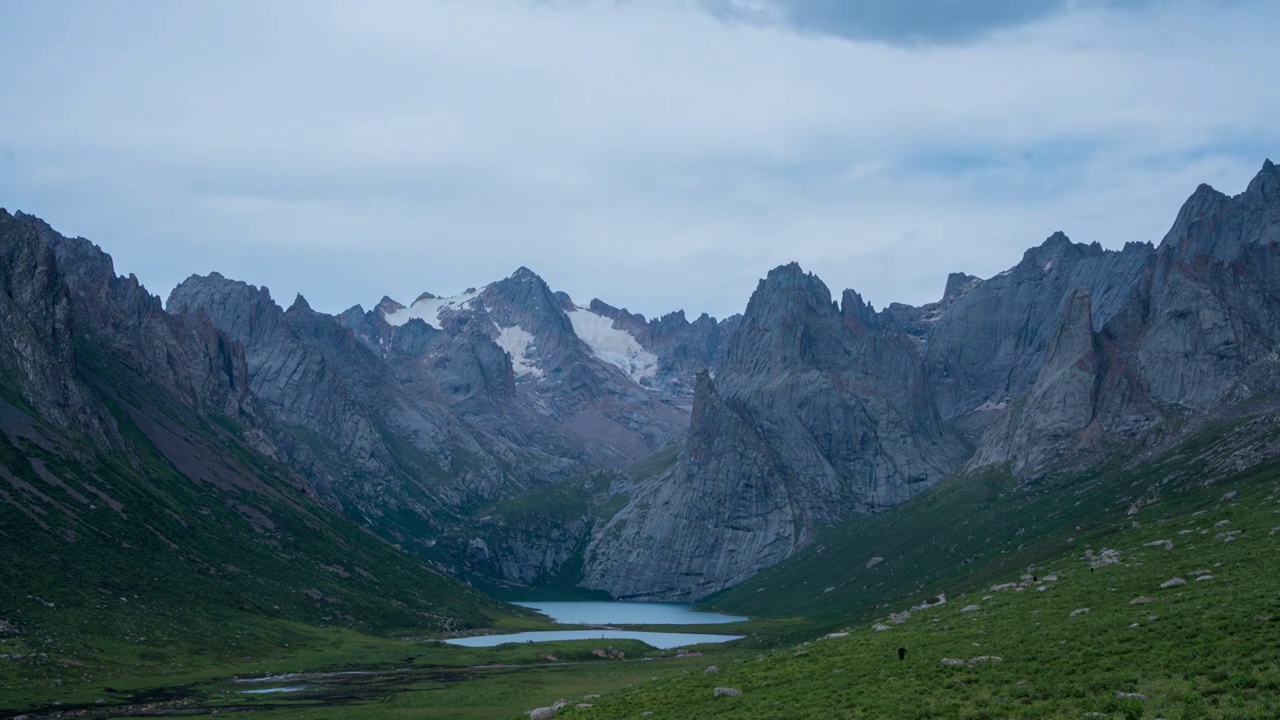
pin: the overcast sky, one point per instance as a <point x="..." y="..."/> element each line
<point x="656" y="154"/>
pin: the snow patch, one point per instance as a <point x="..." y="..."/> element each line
<point x="616" y="347"/>
<point x="991" y="405"/>
<point x="516" y="341"/>
<point x="428" y="309"/>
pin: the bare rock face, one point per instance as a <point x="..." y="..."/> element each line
<point x="988" y="345"/>
<point x="36" y="339"/>
<point x="60" y="290"/>
<point x="340" y="417"/>
<point x="1202" y="315"/>
<point x="814" y="414"/>
<point x="722" y="514"/>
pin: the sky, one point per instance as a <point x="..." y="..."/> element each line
<point x="657" y="154"/>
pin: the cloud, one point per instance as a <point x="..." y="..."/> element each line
<point x="647" y="153"/>
<point x="892" y="21"/>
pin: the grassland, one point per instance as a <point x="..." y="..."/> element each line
<point x="1206" y="649"/>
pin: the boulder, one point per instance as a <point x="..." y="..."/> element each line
<point x="985" y="659"/>
<point x="1172" y="583"/>
<point x="727" y="692"/>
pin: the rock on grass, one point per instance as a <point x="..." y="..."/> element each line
<point x="727" y="692"/>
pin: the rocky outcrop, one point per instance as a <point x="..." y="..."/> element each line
<point x="815" y="414"/>
<point x="722" y="514"/>
<point x="66" y="308"/>
<point x="37" y="345"/>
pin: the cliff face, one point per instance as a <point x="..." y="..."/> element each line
<point x="36" y="341"/>
<point x="64" y="307"/>
<point x="1186" y="330"/>
<point x="815" y="413"/>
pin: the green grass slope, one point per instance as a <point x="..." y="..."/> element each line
<point x="1090" y="638"/>
<point x="184" y="555"/>
<point x="971" y="530"/>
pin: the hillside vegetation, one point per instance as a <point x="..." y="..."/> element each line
<point x="184" y="554"/>
<point x="1169" y="611"/>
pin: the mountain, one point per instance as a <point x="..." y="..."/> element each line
<point x="410" y="418"/>
<point x="514" y="437"/>
<point x="815" y="413"/>
<point x="144" y="507"/>
<point x="821" y="411"/>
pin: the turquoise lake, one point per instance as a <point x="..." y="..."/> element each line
<point x="614" y="613"/>
<point x="627" y="613"/>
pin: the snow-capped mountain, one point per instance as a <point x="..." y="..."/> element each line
<point x="527" y="321"/>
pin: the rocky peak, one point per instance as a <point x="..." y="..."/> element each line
<point x="1210" y="223"/>
<point x="704" y="394"/>
<point x="600" y="307"/>
<point x="1204" y="201"/>
<point x="524" y="299"/>
<point x="119" y="318"/>
<point x="300" y="304"/>
<point x="858" y="315"/>
<point x="243" y="311"/>
<point x="790" y="320"/>
<point x="524" y="274"/>
<point x="566" y="302"/>
<point x="959" y="283"/>
<point x="1266" y="184"/>
<point x="388" y="306"/>
<point x="1056" y="250"/>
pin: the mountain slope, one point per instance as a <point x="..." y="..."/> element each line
<point x="142" y="514"/>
